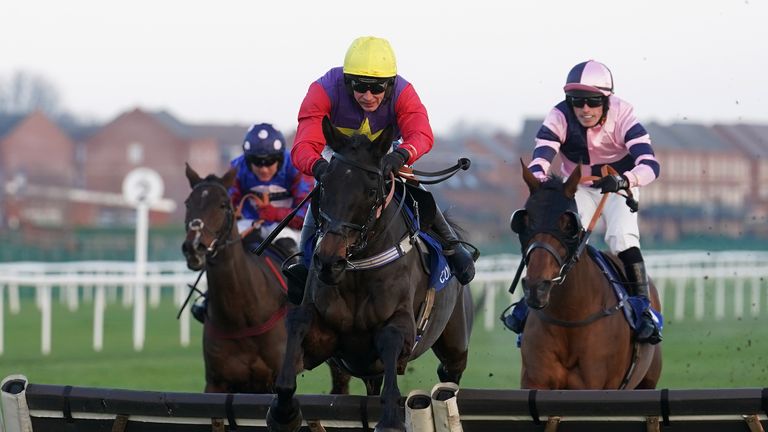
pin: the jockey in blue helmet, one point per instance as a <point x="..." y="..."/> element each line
<point x="268" y="187"/>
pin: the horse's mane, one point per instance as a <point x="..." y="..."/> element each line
<point x="360" y="145"/>
<point x="553" y="181"/>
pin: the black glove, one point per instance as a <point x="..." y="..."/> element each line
<point x="319" y="169"/>
<point x="611" y="183"/>
<point x="393" y="161"/>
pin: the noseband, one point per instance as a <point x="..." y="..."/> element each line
<point x="219" y="238"/>
<point x="560" y="260"/>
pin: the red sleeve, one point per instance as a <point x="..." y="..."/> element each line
<point x="277" y="214"/>
<point x="271" y="213"/>
<point x="414" y="124"/>
<point x="309" y="141"/>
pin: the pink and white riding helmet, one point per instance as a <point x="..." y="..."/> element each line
<point x="590" y="76"/>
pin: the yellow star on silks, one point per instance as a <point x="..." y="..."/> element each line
<point x="365" y="129"/>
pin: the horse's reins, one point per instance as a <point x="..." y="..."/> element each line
<point x="566" y="266"/>
<point x="462" y="164"/>
<point x="197" y="225"/>
<point x="407" y="173"/>
<point x="379" y="204"/>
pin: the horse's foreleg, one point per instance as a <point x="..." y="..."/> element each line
<point x="339" y="380"/>
<point x="389" y="344"/>
<point x="284" y="413"/>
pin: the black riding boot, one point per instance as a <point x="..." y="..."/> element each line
<point x="198" y="310"/>
<point x="462" y="263"/>
<point x="296" y="272"/>
<point x="647" y="331"/>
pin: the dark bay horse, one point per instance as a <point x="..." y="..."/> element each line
<point x="572" y="338"/>
<point x="244" y="331"/>
<point x="361" y="315"/>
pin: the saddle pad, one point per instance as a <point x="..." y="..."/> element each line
<point x="439" y="271"/>
<point x="637" y="304"/>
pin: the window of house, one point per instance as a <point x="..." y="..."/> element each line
<point x="135" y="153"/>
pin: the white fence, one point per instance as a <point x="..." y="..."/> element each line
<point x="721" y="277"/>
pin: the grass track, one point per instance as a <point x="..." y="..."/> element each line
<point x="705" y="354"/>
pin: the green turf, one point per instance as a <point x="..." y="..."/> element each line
<point x="697" y="354"/>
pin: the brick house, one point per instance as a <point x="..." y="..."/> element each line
<point x="752" y="141"/>
<point x="157" y="141"/>
<point x="35" y="152"/>
<point x="482" y="198"/>
<point x="714" y="179"/>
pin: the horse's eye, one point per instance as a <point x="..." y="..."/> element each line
<point x="372" y="193"/>
<point x="568" y="225"/>
<point x="224" y="204"/>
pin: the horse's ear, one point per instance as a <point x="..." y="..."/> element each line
<point x="228" y="180"/>
<point x="333" y="138"/>
<point x="192" y="175"/>
<point x="530" y="179"/>
<point x="573" y="182"/>
<point x="383" y="142"/>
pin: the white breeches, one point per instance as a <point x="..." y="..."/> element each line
<point x="620" y="224"/>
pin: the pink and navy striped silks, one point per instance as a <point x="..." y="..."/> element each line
<point x="621" y="142"/>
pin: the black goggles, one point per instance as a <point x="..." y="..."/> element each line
<point x="375" y="87"/>
<point x="260" y="161"/>
<point x="591" y="101"/>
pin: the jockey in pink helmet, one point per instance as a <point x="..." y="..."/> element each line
<point x="591" y="128"/>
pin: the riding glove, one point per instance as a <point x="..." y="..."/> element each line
<point x="393" y="161"/>
<point x="319" y="169"/>
<point x="611" y="183"/>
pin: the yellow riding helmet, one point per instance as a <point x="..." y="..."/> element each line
<point x="372" y="57"/>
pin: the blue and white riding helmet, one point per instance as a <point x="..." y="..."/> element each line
<point x="263" y="145"/>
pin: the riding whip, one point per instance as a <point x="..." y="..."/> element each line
<point x="267" y="241"/>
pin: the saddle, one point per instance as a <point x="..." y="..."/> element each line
<point x="631" y="306"/>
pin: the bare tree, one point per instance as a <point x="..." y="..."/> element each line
<point x="26" y="92"/>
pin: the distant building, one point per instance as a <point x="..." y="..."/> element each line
<point x="714" y="179"/>
<point x="34" y="150"/>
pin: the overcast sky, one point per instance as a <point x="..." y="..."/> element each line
<point x="478" y="62"/>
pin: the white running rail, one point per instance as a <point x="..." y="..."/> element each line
<point x="722" y="276"/>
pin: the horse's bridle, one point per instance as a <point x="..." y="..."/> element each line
<point x="570" y="243"/>
<point x="327" y="224"/>
<point x="219" y="237"/>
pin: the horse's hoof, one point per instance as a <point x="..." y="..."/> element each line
<point x="284" y="422"/>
